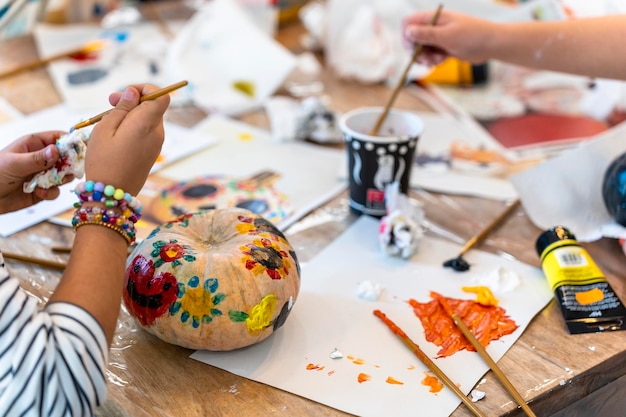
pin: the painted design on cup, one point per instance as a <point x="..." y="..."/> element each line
<point x="376" y="161"/>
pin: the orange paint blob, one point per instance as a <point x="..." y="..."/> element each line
<point x="393" y="381"/>
<point x="363" y="377"/>
<point x="486" y="322"/>
<point x="432" y="382"/>
<point x="314" y="367"/>
<point x="589" y="297"/>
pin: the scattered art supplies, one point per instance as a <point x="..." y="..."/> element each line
<point x="436" y="170"/>
<point x="375" y="374"/>
<point x="241" y="151"/>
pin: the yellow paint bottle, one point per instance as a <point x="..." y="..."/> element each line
<point x="586" y="299"/>
<point x="453" y="71"/>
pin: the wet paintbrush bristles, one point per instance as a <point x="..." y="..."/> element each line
<point x="458" y="263"/>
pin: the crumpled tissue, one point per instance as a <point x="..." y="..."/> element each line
<point x="310" y="118"/>
<point x="401" y="230"/>
<point x="567" y="189"/>
<point x="72" y="151"/>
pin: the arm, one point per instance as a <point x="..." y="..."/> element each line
<point x="581" y="46"/>
<point x="53" y="362"/>
<point x="121" y="152"/>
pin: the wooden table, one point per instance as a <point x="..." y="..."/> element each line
<point x="150" y="378"/>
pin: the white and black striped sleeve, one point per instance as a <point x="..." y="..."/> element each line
<point x="52" y="361"/>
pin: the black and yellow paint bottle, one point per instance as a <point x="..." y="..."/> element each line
<point x="586" y="299"/>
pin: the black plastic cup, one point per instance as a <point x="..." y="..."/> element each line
<point x="376" y="161"/>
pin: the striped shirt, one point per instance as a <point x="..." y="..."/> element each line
<point x="52" y="360"/>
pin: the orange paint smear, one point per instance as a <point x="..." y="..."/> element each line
<point x="393" y="381"/>
<point x="589" y="297"/>
<point x="487" y="323"/>
<point x="432" y="382"/>
<point x="359" y="361"/>
<point x="363" y="377"/>
<point x="313" y="367"/>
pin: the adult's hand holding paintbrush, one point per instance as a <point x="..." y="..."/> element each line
<point x="402" y="81"/>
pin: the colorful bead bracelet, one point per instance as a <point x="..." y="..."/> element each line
<point x="120" y="212"/>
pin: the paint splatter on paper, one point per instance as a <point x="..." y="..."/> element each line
<point x="487" y="322"/>
<point x="432" y="382"/>
<point x="363" y="378"/>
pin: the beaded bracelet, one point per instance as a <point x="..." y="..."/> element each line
<point x="129" y="239"/>
<point x="108" y="195"/>
<point x="105" y="215"/>
<point x="120" y="212"/>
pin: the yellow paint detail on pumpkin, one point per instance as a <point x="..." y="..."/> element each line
<point x="171" y="253"/>
<point x="197" y="301"/>
<point x="245" y="228"/>
<point x="260" y="317"/>
<point x="245" y="136"/>
<point x="484" y="295"/>
<point x="589" y="297"/>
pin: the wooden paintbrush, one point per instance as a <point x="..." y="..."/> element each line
<point x="416" y="52"/>
<point x="483" y="354"/>
<point x="428" y="362"/>
<point x="151" y="96"/>
<point x="32" y="260"/>
<point x="459" y="264"/>
<point x="85" y="49"/>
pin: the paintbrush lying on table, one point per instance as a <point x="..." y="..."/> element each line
<point x="83" y="50"/>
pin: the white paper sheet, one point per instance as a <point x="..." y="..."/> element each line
<point x="133" y="55"/>
<point x="308" y="173"/>
<point x="328" y="315"/>
<point x="567" y="189"/>
<point x="440" y="130"/>
<point x="179" y="142"/>
<point x="221" y="46"/>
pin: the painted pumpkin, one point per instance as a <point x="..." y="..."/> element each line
<point x="217" y="280"/>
